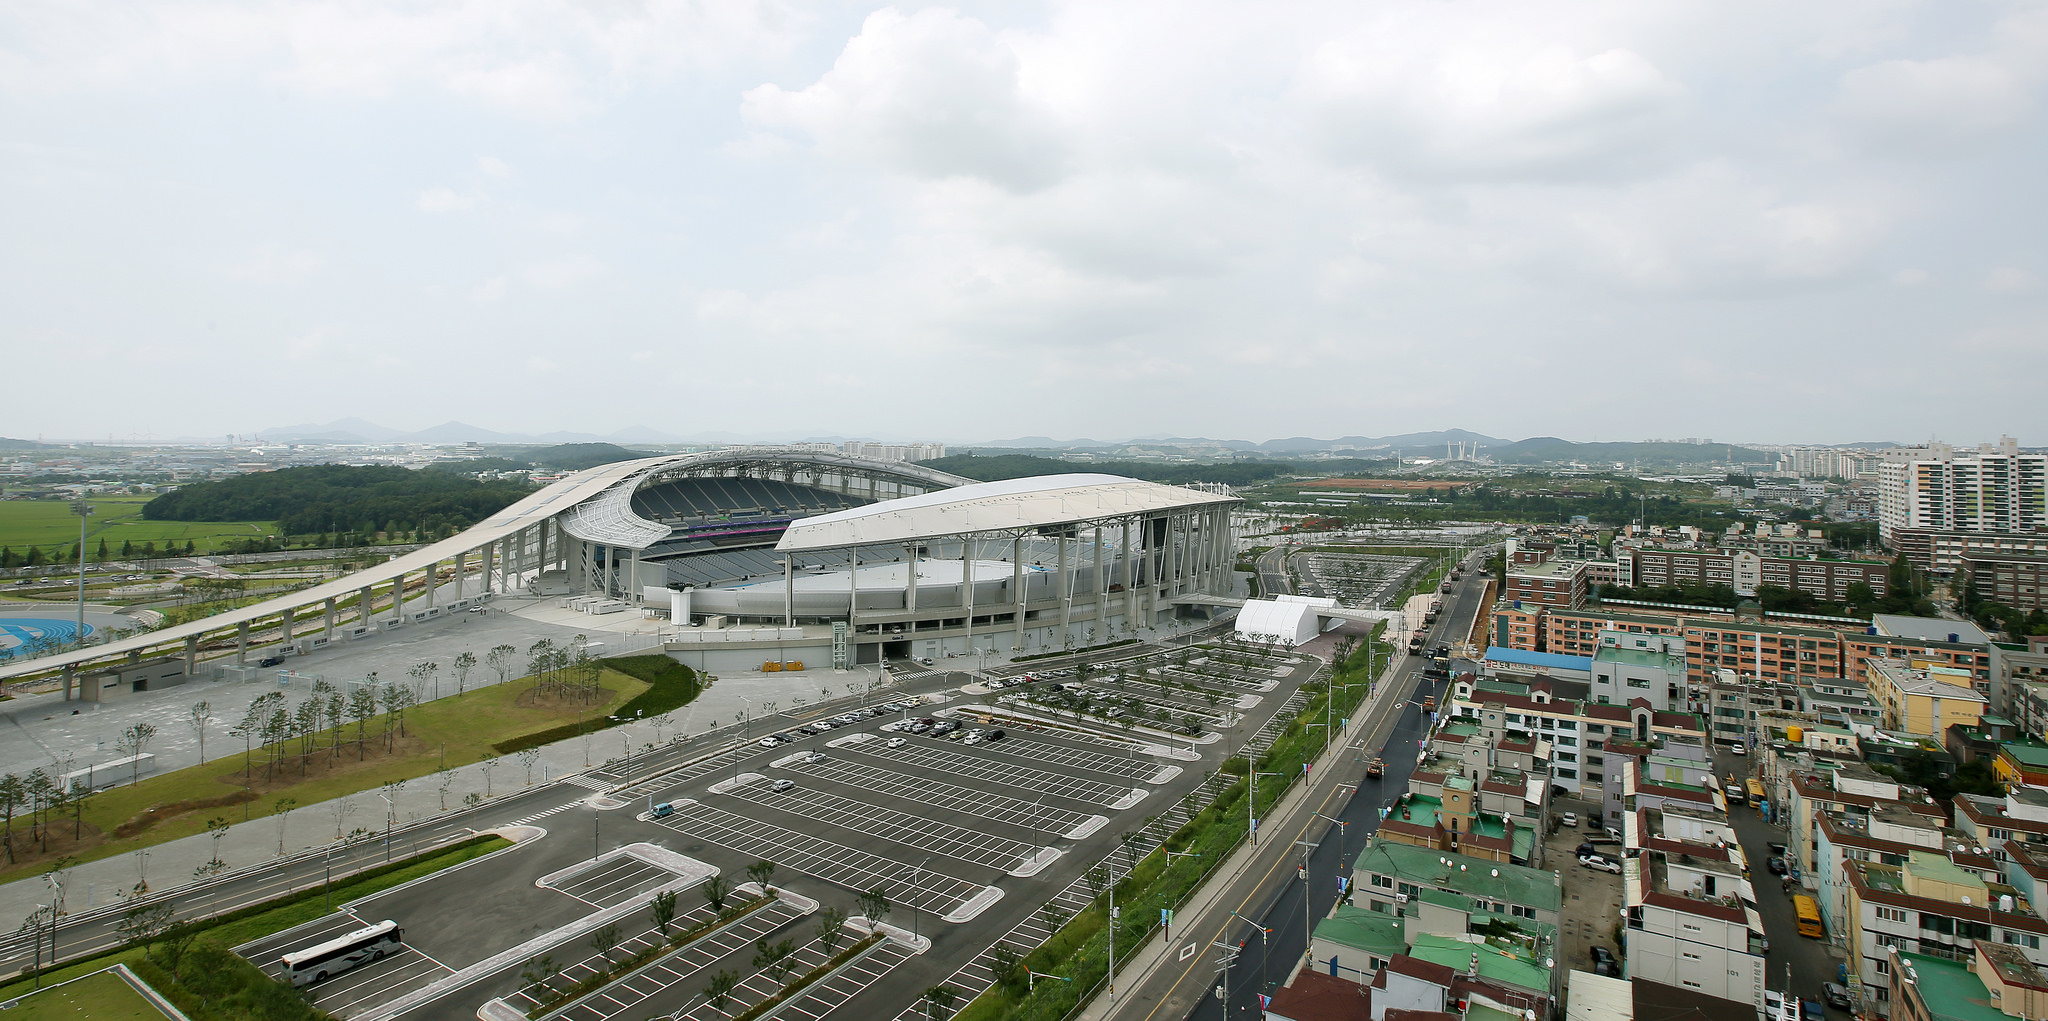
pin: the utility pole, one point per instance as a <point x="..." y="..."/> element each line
<point x="1307" y="928"/>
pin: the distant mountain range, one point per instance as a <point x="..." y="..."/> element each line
<point x="1533" y="450"/>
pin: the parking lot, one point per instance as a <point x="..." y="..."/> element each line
<point x="965" y="835"/>
<point x="1592" y="899"/>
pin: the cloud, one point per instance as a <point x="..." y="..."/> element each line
<point x="1909" y="277"/>
<point x="447" y="200"/>
<point x="488" y="291"/>
<point x="274" y="264"/>
<point x="493" y="166"/>
<point x="932" y="94"/>
<point x="2009" y="280"/>
<point x="564" y="272"/>
<point x="1924" y="107"/>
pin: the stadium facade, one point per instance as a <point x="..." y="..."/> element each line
<point x="806" y="553"/>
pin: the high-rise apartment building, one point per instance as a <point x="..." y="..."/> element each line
<point x="1994" y="488"/>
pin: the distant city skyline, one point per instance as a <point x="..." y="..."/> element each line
<point x="1015" y="219"/>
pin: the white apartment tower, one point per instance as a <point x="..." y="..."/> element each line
<point x="1994" y="488"/>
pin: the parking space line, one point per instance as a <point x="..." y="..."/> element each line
<point x="889" y="824"/>
<point x="1093" y="792"/>
<point x="834" y="863"/>
<point x="944" y="796"/>
<point x="1079" y="758"/>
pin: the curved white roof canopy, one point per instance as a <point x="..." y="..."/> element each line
<point x="608" y="516"/>
<point x="1010" y="505"/>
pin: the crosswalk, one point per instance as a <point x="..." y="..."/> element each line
<point x="588" y="782"/>
<point x="544" y="813"/>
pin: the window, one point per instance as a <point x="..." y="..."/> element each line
<point x="1891" y="914"/>
<point x="1387" y="882"/>
<point x="1595" y="760"/>
<point x="1567" y="724"/>
<point x="2023" y="939"/>
<point x="1408" y="890"/>
<point x="1565" y="773"/>
<point x="1595" y="778"/>
<point x="1596" y="728"/>
<point x="1639" y="682"/>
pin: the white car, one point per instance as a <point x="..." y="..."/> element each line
<point x="1594" y="861"/>
<point x="896" y="742"/>
<point x="1739" y="749"/>
<point x="1570" y="820"/>
<point x="768" y="742"/>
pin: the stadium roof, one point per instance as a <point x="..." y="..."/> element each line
<point x="1010" y="505"/>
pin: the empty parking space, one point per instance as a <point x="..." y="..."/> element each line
<point x="1129" y="767"/>
<point x="974" y="767"/>
<point x="944" y="796"/>
<point x="901" y="827"/>
<point x="667" y="781"/>
<point x="826" y="997"/>
<point x="613" y="881"/>
<point x="834" y="863"/>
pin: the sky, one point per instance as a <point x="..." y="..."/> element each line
<point x="1814" y="222"/>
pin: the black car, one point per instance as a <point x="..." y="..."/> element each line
<point x="1776" y="865"/>
<point x="1585" y="847"/>
<point x="1602" y="955"/>
<point x="996" y="734"/>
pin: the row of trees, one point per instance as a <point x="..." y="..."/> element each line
<point x="324" y="498"/>
<point x="60" y="553"/>
<point x="281" y="732"/>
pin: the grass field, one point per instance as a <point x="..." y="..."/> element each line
<point x="178" y="804"/>
<point x="49" y="523"/>
<point x="101" y="997"/>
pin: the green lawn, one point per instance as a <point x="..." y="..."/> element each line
<point x="49" y="523"/>
<point x="101" y="997"/>
<point x="468" y="726"/>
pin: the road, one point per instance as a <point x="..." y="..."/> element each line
<point x="1272" y="572"/>
<point x="1793" y="961"/>
<point x="1269" y="889"/>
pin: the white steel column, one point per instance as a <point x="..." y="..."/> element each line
<point x="364" y="599"/>
<point x="852" y="590"/>
<point x="1066" y="582"/>
<point x="967" y="585"/>
<point x="910" y="589"/>
<point x="788" y="594"/>
<point x="1017" y="582"/>
<point x="330" y="618"/>
<point x="1129" y="576"/>
<point x="1101" y="581"/>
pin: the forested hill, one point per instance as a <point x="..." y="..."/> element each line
<point x="1017" y="466"/>
<point x="335" y="497"/>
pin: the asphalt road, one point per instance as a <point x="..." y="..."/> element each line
<point x="1269" y="889"/>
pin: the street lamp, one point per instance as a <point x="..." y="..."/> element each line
<point x="83" y="510"/>
<point x="390" y="816"/>
<point x="1265" y="937"/>
<point x="1251" y="801"/>
<point x="916" y="874"/>
<point x="1343" y="836"/>
<point x="1307" y="931"/>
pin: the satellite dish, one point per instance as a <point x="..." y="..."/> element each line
<point x="1496" y="873"/>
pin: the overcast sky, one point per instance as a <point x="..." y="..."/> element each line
<point x="1818" y="221"/>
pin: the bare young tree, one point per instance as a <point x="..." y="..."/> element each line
<point x="501" y="659"/>
<point x="422" y="675"/>
<point x="282" y="808"/>
<point x="527" y="758"/>
<point x="464" y="663"/>
<point x="131" y="742"/>
<point x="343" y="807"/>
<point x="200" y="716"/>
<point x="447" y="778"/>
<point x="485" y="767"/>
<point x="362" y="704"/>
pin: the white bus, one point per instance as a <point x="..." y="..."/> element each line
<point x="316" y="963"/>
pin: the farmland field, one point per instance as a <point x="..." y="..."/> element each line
<point x="49" y="523"/>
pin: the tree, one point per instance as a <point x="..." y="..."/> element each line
<point x="664" y="905"/>
<point x="362" y="704"/>
<point x="715" y="891"/>
<point x="447" y="778"/>
<point x="464" y="663"/>
<point x="216" y="827"/>
<point x="501" y="658"/>
<point x="12" y="793"/>
<point x="760" y="872"/>
<point x="604" y="939"/>
<point x="201" y="716"/>
<point x="773" y="957"/>
<point x="131" y="742"/>
<point x="830" y="931"/>
<point x="540" y="973"/>
<point x="937" y="999"/>
<point x="485" y="767"/>
<point x="253" y="720"/>
<point x="282" y="809"/>
<point x="719" y="989"/>
<point x="140" y="926"/>
<point x="527" y="758"/>
<point x="423" y="675"/>
<point x="874" y="904"/>
<point x="342" y="807"/>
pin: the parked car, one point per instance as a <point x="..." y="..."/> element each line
<point x="664" y="809"/>
<point x="896" y="742"/>
<point x="1569" y="819"/>
<point x="1585" y="848"/>
<point x="1776" y="864"/>
<point x="996" y="734"/>
<point x="1738" y="749"/>
<point x="815" y="757"/>
<point x="768" y="742"/>
<point x="1836" y="994"/>
<point x="783" y="784"/>
<point x="1604" y="956"/>
<point x="1604" y="864"/>
<point x="1810" y="1010"/>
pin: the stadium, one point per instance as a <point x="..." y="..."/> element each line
<point x="750" y="557"/>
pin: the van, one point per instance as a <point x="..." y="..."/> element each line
<point x="664" y="809"/>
